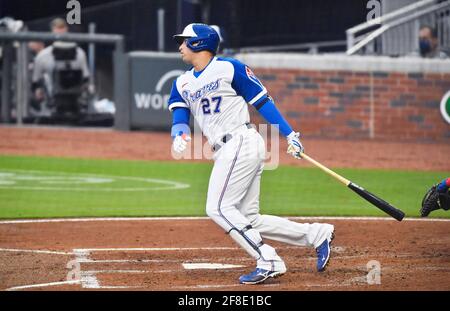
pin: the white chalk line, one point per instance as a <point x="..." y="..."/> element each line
<point x="145" y="271"/>
<point x="44" y="285"/>
<point x="298" y="258"/>
<point x="82" y="254"/>
<point x="87" y="279"/>
<point x="34" y="251"/>
<point x="87" y="261"/>
<point x="240" y="268"/>
<point x="151" y="249"/>
<point x="313" y="218"/>
<point x="57" y="220"/>
<point x="169" y="184"/>
<point x="350" y="282"/>
<point x="76" y="282"/>
<point x="125" y="261"/>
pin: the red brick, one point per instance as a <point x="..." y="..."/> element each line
<point x="389" y="122"/>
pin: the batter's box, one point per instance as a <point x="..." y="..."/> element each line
<point x="110" y="268"/>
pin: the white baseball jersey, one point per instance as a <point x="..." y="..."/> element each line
<point x="218" y="95"/>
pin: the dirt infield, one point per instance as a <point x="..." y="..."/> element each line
<point x="149" y="255"/>
<point x="109" y="144"/>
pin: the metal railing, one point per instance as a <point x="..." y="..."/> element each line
<point x="369" y="34"/>
<point x="311" y="47"/>
<point x="7" y="39"/>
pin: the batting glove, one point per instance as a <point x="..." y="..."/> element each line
<point x="295" y="147"/>
<point x="180" y="141"/>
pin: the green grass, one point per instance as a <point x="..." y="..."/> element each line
<point x="287" y="191"/>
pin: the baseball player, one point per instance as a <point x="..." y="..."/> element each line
<point x="216" y="91"/>
<point x="437" y="197"/>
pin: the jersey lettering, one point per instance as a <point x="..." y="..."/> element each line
<point x="218" y="96"/>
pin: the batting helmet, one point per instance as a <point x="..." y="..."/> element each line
<point x="200" y="37"/>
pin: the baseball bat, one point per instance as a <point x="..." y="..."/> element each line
<point x="381" y="204"/>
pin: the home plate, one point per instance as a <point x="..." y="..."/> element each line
<point x="194" y="266"/>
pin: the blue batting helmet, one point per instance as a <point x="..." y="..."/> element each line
<point x="200" y="37"/>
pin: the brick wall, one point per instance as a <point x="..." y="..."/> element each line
<point x="346" y="104"/>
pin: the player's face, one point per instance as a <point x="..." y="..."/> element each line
<point x="186" y="53"/>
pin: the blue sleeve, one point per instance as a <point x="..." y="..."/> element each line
<point x="180" y="121"/>
<point x="245" y="83"/>
<point x="175" y="99"/>
<point x="266" y="107"/>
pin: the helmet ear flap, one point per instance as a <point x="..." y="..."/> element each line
<point x="194" y="42"/>
<point x="198" y="44"/>
<point x="190" y="44"/>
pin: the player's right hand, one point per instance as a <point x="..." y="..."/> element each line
<point x="295" y="147"/>
<point x="180" y="141"/>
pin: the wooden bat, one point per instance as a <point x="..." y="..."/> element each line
<point x="381" y="204"/>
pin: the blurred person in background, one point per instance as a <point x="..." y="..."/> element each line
<point x="58" y="57"/>
<point x="34" y="47"/>
<point x="429" y="44"/>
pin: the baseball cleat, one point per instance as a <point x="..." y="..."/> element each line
<point x="259" y="276"/>
<point x="323" y="253"/>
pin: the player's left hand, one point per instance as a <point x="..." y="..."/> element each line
<point x="295" y="147"/>
<point x="179" y="143"/>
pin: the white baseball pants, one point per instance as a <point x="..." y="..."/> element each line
<point x="233" y="202"/>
